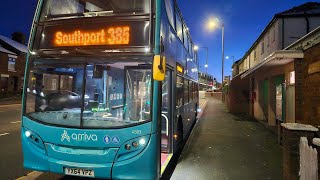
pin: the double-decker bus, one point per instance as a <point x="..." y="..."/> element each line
<point x="111" y="88"/>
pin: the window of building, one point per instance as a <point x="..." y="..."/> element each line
<point x="11" y="64"/>
<point x="292" y="77"/>
<point x="255" y="54"/>
<point x="262" y="47"/>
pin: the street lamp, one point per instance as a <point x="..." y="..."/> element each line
<point x="228" y="57"/>
<point x="196" y="48"/>
<point x="211" y="25"/>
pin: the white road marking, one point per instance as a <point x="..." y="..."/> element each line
<point x="8" y="105"/>
<point x="32" y="175"/>
<point x="15" y="122"/>
<point x="4" y="134"/>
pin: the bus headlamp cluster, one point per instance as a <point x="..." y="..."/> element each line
<point x="132" y="148"/>
<point x="34" y="138"/>
<point x="135" y="144"/>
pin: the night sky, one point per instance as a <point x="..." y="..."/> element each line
<point x="244" y="21"/>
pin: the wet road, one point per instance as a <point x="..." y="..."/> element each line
<point x="10" y="152"/>
<point x="223" y="146"/>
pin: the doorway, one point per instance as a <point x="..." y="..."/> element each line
<point x="166" y="121"/>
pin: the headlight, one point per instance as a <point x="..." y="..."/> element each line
<point x="132" y="148"/>
<point x="34" y="139"/>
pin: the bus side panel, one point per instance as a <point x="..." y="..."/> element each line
<point x="143" y="166"/>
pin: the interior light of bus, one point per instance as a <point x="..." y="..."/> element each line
<point x="180" y="69"/>
<point x="109" y="36"/>
<point x="146" y="49"/>
<point x="175" y="136"/>
<point x="142" y="141"/>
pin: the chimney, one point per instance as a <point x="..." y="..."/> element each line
<point x="19" y="37"/>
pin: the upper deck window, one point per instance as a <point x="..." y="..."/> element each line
<point x="55" y="9"/>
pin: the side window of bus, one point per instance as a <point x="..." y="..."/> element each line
<point x="190" y="48"/>
<point x="179" y="27"/>
<point x="170" y="12"/>
<point x="186" y="91"/>
<point x="179" y="93"/>
<point x="190" y="91"/>
<point x="186" y="40"/>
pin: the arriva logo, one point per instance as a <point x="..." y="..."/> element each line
<point x="78" y="137"/>
<point x="65" y="136"/>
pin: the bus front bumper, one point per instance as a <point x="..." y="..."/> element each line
<point x="142" y="166"/>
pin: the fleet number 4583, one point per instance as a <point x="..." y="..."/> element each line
<point x="136" y="131"/>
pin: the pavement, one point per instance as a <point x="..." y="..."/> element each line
<point x="224" y="146"/>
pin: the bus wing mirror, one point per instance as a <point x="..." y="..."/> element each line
<point x="159" y="67"/>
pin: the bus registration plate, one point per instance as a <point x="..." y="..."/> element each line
<point x="79" y="172"/>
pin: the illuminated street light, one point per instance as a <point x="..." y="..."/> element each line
<point x="196" y="48"/>
<point x="212" y="24"/>
<point x="228" y="57"/>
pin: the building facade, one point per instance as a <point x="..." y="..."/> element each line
<point x="206" y="81"/>
<point x="272" y="74"/>
<point x="12" y="65"/>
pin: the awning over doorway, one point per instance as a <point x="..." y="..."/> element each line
<point x="277" y="58"/>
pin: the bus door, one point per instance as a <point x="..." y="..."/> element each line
<point x="166" y="121"/>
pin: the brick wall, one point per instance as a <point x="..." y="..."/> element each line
<point x="238" y="99"/>
<point x="17" y="76"/>
<point x="308" y="89"/>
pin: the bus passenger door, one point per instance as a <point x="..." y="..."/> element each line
<point x="166" y="121"/>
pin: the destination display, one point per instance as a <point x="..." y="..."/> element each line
<point x="111" y="34"/>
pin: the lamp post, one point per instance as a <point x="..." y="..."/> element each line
<point x="212" y="24"/>
<point x="196" y="48"/>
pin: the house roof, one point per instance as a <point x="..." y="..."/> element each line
<point x="6" y="51"/>
<point x="20" y="47"/>
<point x="306" y="9"/>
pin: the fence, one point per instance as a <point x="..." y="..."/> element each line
<point x="308" y="161"/>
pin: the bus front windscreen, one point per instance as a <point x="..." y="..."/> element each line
<point x="87" y="8"/>
<point x="88" y="94"/>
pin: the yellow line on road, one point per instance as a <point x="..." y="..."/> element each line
<point x="33" y="174"/>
